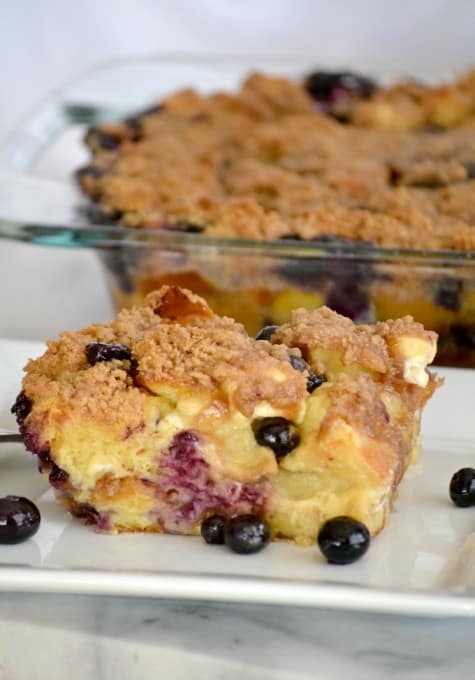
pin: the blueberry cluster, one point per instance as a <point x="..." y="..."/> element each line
<point x="342" y="540"/>
<point x="243" y="534"/>
<point x="298" y="363"/>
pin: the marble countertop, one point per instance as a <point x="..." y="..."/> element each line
<point x="46" y="636"/>
<point x="54" y="637"/>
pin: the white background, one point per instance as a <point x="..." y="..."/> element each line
<point x="44" y="43"/>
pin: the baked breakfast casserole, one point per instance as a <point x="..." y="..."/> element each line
<point x="171" y="414"/>
<point x="333" y="160"/>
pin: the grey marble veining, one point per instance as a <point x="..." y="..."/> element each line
<point x="54" y="637"/>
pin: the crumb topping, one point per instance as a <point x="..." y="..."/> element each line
<point x="244" y="372"/>
<point x="375" y="348"/>
<point x="356" y="400"/>
<point x="264" y="162"/>
<point x="175" y="341"/>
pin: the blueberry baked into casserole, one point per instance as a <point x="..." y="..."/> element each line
<point x="356" y="169"/>
<point x="171" y="415"/>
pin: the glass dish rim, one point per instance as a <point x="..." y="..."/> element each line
<point x="102" y="236"/>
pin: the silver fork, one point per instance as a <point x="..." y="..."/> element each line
<point x="9" y="436"/>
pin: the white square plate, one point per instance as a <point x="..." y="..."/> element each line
<point x="423" y="562"/>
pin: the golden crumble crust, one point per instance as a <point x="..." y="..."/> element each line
<point x="411" y="105"/>
<point x="263" y="163"/>
<point x="212" y="359"/>
<point x="372" y="347"/>
<point x="175" y="341"/>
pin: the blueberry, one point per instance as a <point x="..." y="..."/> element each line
<point x="89" y="171"/>
<point x="343" y="540"/>
<point x="246" y="534"/>
<point x="395" y="175"/>
<point x="86" y="511"/>
<point x="298" y="363"/>
<point x="278" y="434"/>
<point x="21" y="408"/>
<point x="212" y="529"/>
<point x="313" y="380"/>
<point x="95" y="214"/>
<point x="101" y="351"/>
<point x="186" y="227"/>
<point x="470" y="169"/>
<point x="194" y="228"/>
<point x="447" y="293"/>
<point x="266" y="333"/>
<point x="464" y="335"/>
<point x="327" y="86"/>
<point x="290" y="237"/>
<point x="462" y="488"/>
<point x="57" y="476"/>
<point x="134" y="127"/>
<point x="104" y="140"/>
<point x="19" y="519"/>
<point x="349" y="299"/>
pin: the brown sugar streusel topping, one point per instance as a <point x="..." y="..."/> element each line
<point x="176" y="342"/>
<point x="370" y="347"/>
<point x="265" y="163"/>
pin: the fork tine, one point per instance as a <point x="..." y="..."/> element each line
<point x="9" y="436"/>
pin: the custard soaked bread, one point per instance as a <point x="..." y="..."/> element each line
<point x="171" y="414"/>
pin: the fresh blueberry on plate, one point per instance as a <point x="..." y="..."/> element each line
<point x="19" y="519"/>
<point x="462" y="488"/>
<point x="212" y="529"/>
<point x="343" y="540"/>
<point x="246" y="534"/>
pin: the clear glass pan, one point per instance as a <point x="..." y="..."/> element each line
<point x="256" y="282"/>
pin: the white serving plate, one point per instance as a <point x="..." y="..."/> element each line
<point x="423" y="563"/>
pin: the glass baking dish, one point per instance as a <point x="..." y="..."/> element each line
<point x="258" y="283"/>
